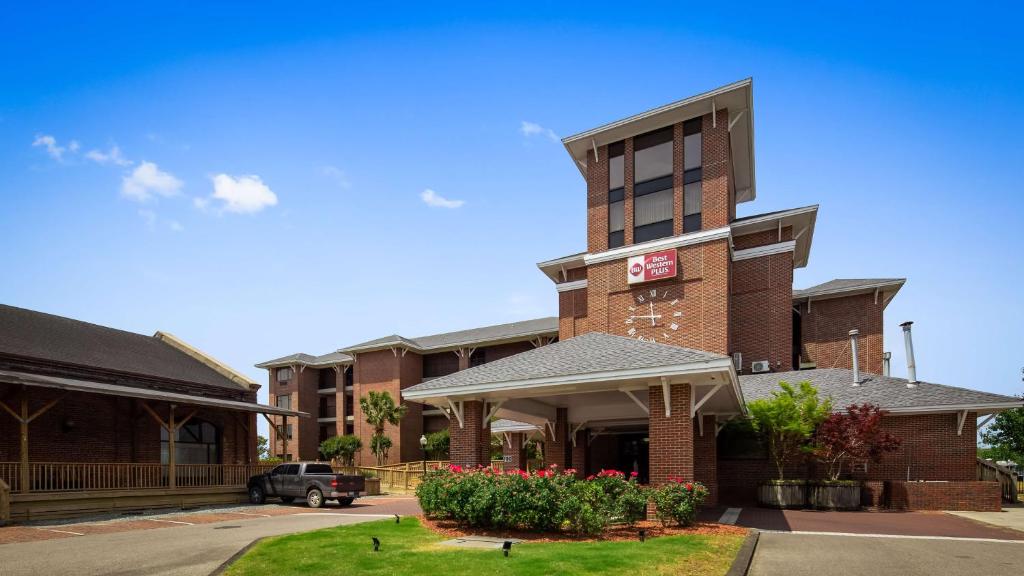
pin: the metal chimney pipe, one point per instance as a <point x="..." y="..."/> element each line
<point x="886" y="363"/>
<point x="853" y="353"/>
<point x="908" y="341"/>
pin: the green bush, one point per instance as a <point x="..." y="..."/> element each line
<point x="438" y="444"/>
<point x="343" y="448"/>
<point x="679" y="501"/>
<point x="546" y="501"/>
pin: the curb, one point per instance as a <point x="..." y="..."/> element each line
<point x="227" y="563"/>
<point x="742" y="562"/>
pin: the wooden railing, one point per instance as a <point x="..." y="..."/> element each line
<point x="390" y="478"/>
<point x="5" y="502"/>
<point x="1008" y="481"/>
<point x="82" y="476"/>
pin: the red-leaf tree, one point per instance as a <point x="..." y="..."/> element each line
<point x="854" y="435"/>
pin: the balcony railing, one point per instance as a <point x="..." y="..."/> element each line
<point x="81" y="476"/>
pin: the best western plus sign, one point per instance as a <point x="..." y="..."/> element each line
<point x="653" y="266"/>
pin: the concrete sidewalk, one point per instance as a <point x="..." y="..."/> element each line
<point x="1011" y="517"/>
<point x="816" y="554"/>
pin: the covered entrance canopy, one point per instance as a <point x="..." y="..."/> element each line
<point x="593" y="383"/>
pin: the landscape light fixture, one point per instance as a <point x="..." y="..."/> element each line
<point x="376" y="544"/>
<point x="397" y="518"/>
<point x="506" y="547"/>
<point x="423" y="447"/>
<point x="643" y="535"/>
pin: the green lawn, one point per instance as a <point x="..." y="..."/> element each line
<point x="408" y="548"/>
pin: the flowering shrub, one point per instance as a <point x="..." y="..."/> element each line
<point x="678" y="501"/>
<point x="547" y="500"/>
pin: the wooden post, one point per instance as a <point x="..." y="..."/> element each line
<point x="172" y="431"/>
<point x="284" y="436"/>
<point x="23" y="472"/>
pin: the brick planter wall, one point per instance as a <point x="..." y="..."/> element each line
<point x="965" y="495"/>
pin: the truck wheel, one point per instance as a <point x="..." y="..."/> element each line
<point x="315" y="498"/>
<point x="346" y="501"/>
<point x="256" y="495"/>
<point x="287" y="499"/>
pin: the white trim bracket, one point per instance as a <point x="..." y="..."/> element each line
<point x="961" y="419"/>
<point x="666" y="393"/>
<point x="495" y="406"/>
<point x="633" y="397"/>
<point x="703" y="399"/>
<point x="457" y="411"/>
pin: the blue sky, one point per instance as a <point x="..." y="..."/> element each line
<point x="253" y="181"/>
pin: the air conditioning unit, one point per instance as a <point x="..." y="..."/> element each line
<point x="760" y="366"/>
<point x="737" y="361"/>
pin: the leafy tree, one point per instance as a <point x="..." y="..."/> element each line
<point x="854" y="435"/>
<point x="380" y="409"/>
<point x="1006" y="435"/>
<point x="343" y="448"/>
<point x="262" y="447"/>
<point x="787" y="420"/>
<point x="438" y="445"/>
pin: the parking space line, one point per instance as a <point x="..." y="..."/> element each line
<point x="61" y="531"/>
<point x="894" y="536"/>
<point x="170" y="521"/>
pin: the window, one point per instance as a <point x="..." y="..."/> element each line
<point x="478" y="357"/>
<point x="616" y="194"/>
<point x="284" y="401"/>
<point x="284" y="375"/>
<point x="652" y="185"/>
<point x="319" y="469"/>
<point x="693" y="173"/>
<point x="197" y="442"/>
<point x="288" y="431"/>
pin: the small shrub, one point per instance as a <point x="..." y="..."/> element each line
<point x="679" y="501"/>
<point x="343" y="448"/>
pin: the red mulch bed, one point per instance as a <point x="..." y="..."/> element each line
<point x="618" y="532"/>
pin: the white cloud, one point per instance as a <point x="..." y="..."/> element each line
<point x="146" y="180"/>
<point x="73" y="146"/>
<point x="175" y="226"/>
<point x="111" y="157"/>
<point x="241" y="194"/>
<point x="529" y="129"/>
<point x="338" y="176"/>
<point x="152" y="221"/>
<point x="431" y="198"/>
<point x="52" y="148"/>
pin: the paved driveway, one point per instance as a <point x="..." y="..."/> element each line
<point x="170" y="544"/>
<point x="890" y="523"/>
<point x="814" y="555"/>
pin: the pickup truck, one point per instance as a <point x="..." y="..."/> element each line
<point x="313" y="481"/>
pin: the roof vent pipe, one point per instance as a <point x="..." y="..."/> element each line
<point x="908" y="341"/>
<point x="886" y="362"/>
<point x="853" y="353"/>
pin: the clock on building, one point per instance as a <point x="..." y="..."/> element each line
<point x="655" y="314"/>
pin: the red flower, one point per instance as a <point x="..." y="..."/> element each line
<point x="689" y="487"/>
<point x="633" y="474"/>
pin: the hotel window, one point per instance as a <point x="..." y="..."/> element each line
<point x="652" y="185"/>
<point x="616" y="195"/>
<point x="284" y="375"/>
<point x="693" y="173"/>
<point x="284" y="401"/>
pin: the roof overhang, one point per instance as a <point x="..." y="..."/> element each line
<point x="710" y="372"/>
<point x="737" y="97"/>
<point x="802" y="221"/>
<point x="980" y="409"/>
<point x="524" y="336"/>
<point x="558" y="269"/>
<point x="76" y="385"/>
<point x="885" y="291"/>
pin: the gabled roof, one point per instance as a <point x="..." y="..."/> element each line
<point x="300" y="359"/>
<point x="38" y="336"/>
<point x="590" y="356"/>
<point x="890" y="393"/>
<point x="801" y="219"/>
<point x="840" y="287"/>
<point x="738" y="97"/>
<point x="511" y="332"/>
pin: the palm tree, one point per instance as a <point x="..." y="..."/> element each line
<point x="380" y="409"/>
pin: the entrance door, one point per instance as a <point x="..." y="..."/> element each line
<point x="634" y="455"/>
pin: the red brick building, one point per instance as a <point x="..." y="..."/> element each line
<point x="676" y="314"/>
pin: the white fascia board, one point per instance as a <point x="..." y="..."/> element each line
<point x="767" y="250"/>
<point x="655" y="245"/>
<point x="699" y="367"/>
<point x="755" y="222"/>
<point x="953" y="408"/>
<point x="853" y="290"/>
<point x="567" y="286"/>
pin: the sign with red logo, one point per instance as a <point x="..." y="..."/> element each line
<point x="653" y="266"/>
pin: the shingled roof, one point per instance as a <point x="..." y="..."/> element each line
<point x="329" y="359"/>
<point x="592" y="353"/>
<point x="844" y="286"/>
<point x="471" y="337"/>
<point x="30" y="335"/>
<point x="883" y="391"/>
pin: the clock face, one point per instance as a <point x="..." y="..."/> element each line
<point x="655" y="314"/>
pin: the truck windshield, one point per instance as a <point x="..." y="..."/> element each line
<point x="318" y="469"/>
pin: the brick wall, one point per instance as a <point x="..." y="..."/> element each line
<point x="96" y="428"/>
<point x="304" y="443"/>
<point x="468" y="440"/>
<point x="761" y="314"/>
<point x="963" y="495"/>
<point x="671" y="438"/>
<point x="556" y="449"/>
<point x="515" y="451"/>
<point x="378" y="371"/>
<point x="825" y="332"/>
<point x="717" y="202"/>
<point x="705" y="458"/>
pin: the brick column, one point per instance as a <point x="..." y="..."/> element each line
<point x="556" y="449"/>
<point x="466" y="440"/>
<point x="516" y="451"/>
<point x="579" y="454"/>
<point x="671" y="437"/>
<point x="485" y="444"/>
<point x="705" y="458"/>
